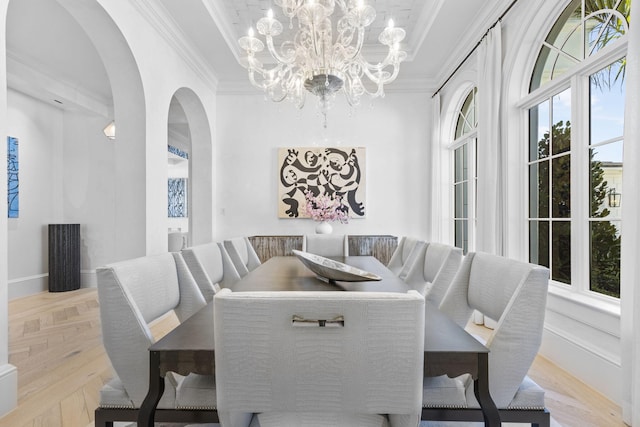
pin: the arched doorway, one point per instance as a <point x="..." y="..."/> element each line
<point x="89" y="180"/>
<point x="201" y="185"/>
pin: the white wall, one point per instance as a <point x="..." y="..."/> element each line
<point x="394" y="130"/>
<point x="39" y="129"/>
<point x="90" y="194"/>
<point x="8" y="372"/>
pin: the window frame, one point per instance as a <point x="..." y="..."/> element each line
<point x="471" y="139"/>
<point x="577" y="79"/>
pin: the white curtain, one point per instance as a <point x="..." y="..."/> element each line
<point x="630" y="204"/>
<point x="436" y="174"/>
<point x="490" y="169"/>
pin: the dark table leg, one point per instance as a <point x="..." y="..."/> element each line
<point x="156" y="388"/>
<point x="481" y="390"/>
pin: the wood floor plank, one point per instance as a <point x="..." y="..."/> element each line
<point x="74" y="411"/>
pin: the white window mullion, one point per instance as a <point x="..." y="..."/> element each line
<point x="473" y="194"/>
<point x="580" y="247"/>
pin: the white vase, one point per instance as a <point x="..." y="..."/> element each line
<point x="324" y="228"/>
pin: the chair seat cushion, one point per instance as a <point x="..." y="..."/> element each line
<point x="113" y="395"/>
<point x="316" y="419"/>
<point x="529" y="396"/>
<point x="196" y="392"/>
<point x="445" y="392"/>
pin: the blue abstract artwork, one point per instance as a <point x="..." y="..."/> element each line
<point x="178" y="152"/>
<point x="177" y="197"/>
<point x="12" y="177"/>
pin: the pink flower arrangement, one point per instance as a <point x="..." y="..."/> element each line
<point x="324" y="207"/>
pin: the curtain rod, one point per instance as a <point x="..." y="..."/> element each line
<point x="474" y="48"/>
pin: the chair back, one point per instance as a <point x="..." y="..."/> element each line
<point x="326" y="245"/>
<point x="132" y="294"/>
<point x="319" y="352"/>
<point x="242" y="255"/>
<point x="401" y="254"/>
<point x="433" y="271"/>
<point x="177" y="240"/>
<point x="211" y="268"/>
<point x="514" y="293"/>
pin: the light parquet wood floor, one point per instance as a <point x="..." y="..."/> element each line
<point x="55" y="342"/>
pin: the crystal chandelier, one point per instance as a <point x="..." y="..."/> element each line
<point x="316" y="61"/>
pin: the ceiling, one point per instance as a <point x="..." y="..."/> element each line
<point x="51" y="57"/>
<point x="440" y="33"/>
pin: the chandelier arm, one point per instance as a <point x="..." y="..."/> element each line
<point x="266" y="83"/>
<point x="377" y="78"/>
<point x="359" y="44"/>
<point x="390" y="60"/>
<point x="276" y="55"/>
<point x="379" y="89"/>
<point x="279" y="99"/>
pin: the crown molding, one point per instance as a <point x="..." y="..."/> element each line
<point x="472" y="36"/>
<point x="217" y="11"/>
<point x="425" y="21"/>
<point x="24" y="74"/>
<point x="165" y="25"/>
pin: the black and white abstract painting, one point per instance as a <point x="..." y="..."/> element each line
<point x="332" y="171"/>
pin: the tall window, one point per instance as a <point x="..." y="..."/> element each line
<point x="576" y="111"/>
<point x="464" y="180"/>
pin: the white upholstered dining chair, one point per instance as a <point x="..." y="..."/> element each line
<point x="242" y="254"/>
<point x="326" y="245"/>
<point x="132" y="294"/>
<point x="513" y="293"/>
<point x="433" y="270"/>
<point x="319" y="358"/>
<point x="211" y="267"/>
<point x="401" y="258"/>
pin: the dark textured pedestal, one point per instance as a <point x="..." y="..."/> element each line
<point x="64" y="257"/>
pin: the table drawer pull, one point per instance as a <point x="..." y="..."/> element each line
<point x="336" y="322"/>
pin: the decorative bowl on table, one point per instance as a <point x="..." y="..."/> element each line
<point x="332" y="270"/>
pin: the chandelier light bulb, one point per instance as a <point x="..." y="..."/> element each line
<point x="323" y="56"/>
<point x="250" y="33"/>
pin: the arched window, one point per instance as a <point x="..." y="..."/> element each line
<point x="464" y="179"/>
<point x="576" y="112"/>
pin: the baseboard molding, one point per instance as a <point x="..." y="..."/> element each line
<point x="594" y="369"/>
<point x="88" y="278"/>
<point x="31" y="285"/>
<point x="8" y="389"/>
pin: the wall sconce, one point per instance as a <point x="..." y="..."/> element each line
<point x="614" y="198"/>
<point x="110" y="130"/>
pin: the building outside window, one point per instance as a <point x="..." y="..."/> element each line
<point x="464" y="180"/>
<point x="576" y="111"/>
